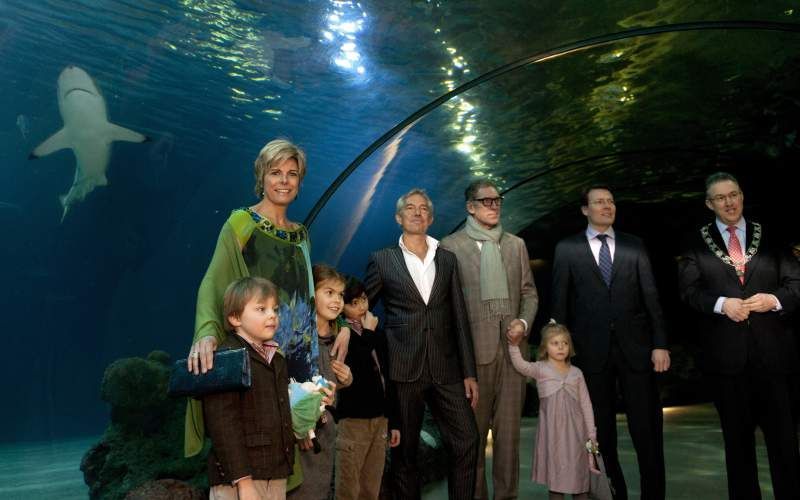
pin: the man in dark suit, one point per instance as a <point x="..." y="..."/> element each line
<point x="604" y="291"/>
<point x="745" y="290"/>
<point x="430" y="350"/>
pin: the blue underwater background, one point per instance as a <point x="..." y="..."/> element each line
<point x="211" y="81"/>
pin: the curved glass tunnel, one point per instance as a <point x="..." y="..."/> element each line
<point x="211" y="81"/>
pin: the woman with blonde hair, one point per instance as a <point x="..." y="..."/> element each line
<point x="260" y="240"/>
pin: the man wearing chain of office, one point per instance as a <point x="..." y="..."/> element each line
<point x="746" y="290"/>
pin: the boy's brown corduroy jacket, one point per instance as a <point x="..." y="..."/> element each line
<point x="251" y="431"/>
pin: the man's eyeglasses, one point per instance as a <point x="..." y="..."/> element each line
<point x="721" y="198"/>
<point x="490" y="202"/>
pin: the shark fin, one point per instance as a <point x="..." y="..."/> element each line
<point x="63" y="200"/>
<point x="117" y="133"/>
<point x="54" y="143"/>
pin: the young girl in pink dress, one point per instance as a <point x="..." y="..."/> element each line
<point x="566" y="433"/>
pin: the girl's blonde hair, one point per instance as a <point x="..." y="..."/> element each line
<point x="549" y="331"/>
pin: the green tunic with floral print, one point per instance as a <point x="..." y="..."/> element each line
<point x="250" y="245"/>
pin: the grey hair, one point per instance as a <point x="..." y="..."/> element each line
<point x="477" y="185"/>
<point x="401" y="202"/>
<point x="719" y="177"/>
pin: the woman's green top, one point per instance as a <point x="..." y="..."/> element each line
<point x="250" y="245"/>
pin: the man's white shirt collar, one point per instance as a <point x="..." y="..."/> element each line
<point x="592" y="232"/>
<point x="423" y="272"/>
<point x="595" y="244"/>
<point x="723" y="228"/>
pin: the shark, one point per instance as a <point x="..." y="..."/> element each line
<point x="86" y="131"/>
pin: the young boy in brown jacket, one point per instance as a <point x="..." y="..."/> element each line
<point x="251" y="431"/>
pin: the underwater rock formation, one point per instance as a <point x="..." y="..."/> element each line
<point x="141" y="452"/>
<point x="143" y="444"/>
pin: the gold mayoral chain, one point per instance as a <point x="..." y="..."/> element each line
<point x="751" y="251"/>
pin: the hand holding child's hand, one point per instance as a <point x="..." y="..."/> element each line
<point x="370" y="321"/>
<point x="512" y="338"/>
<point x="305" y="444"/>
<point x="342" y="372"/>
<point x="394" y="438"/>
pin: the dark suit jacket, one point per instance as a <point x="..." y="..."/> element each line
<point x="415" y="332"/>
<point x="592" y="310"/>
<point x="251" y="431"/>
<point x="703" y="278"/>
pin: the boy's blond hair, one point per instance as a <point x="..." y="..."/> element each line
<point x="549" y="331"/>
<point x="242" y="291"/>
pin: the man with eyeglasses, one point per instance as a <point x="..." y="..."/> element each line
<point x="604" y="291"/>
<point x="501" y="300"/>
<point x="745" y="289"/>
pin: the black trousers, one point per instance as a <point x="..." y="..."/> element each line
<point x="645" y="423"/>
<point x="456" y="422"/>
<point x="753" y="398"/>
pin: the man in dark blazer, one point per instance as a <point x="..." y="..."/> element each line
<point x="604" y="291"/>
<point x="429" y="346"/>
<point x="746" y="291"/>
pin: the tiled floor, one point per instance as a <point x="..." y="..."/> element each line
<point x="695" y="459"/>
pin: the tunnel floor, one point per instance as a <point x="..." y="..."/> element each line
<point x="694" y="456"/>
<point x="693" y="442"/>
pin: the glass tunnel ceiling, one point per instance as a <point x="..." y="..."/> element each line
<point x="648" y="113"/>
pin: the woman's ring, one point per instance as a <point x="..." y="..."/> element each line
<point x="195" y="354"/>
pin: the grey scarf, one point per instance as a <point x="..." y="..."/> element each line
<point x="494" y="284"/>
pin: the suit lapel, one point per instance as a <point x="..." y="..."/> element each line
<point x="720" y="241"/>
<point x="473" y="252"/>
<point x="620" y="254"/>
<point x="505" y="251"/>
<point x="586" y="253"/>
<point x="439" y="277"/>
<point x="751" y="266"/>
<point x="400" y="264"/>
